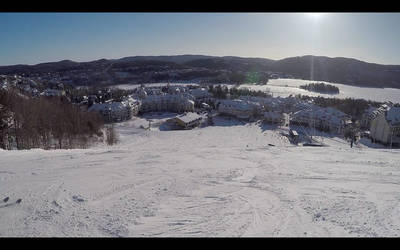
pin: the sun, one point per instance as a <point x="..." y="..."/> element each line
<point x="315" y="15"/>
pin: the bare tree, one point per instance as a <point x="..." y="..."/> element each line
<point x="36" y="122"/>
<point x="111" y="135"/>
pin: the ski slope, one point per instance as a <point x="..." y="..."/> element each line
<point x="231" y="179"/>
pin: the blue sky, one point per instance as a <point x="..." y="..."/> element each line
<point x="30" y="38"/>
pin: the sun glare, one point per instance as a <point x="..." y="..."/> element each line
<point x="314" y="15"/>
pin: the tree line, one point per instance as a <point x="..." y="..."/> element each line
<point x="46" y="123"/>
<point x="222" y="92"/>
<point x="321" y="88"/>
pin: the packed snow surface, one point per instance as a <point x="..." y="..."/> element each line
<point x="230" y="179"/>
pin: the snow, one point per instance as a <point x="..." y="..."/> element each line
<point x="114" y="106"/>
<point x="393" y="115"/>
<point x="287" y="87"/>
<point x="52" y="92"/>
<point x="200" y="93"/>
<point x="189" y="117"/>
<point x="230" y="179"/>
<point x="238" y="104"/>
<point x="330" y="115"/>
<point x="165" y="97"/>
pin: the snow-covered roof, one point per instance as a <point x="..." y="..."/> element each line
<point x="130" y="101"/>
<point x="110" y="106"/>
<point x="279" y="103"/>
<point x="240" y="104"/>
<point x="166" y="97"/>
<point x="52" y="92"/>
<point x="115" y="106"/>
<point x="189" y="117"/>
<point x="261" y="100"/>
<point x="330" y="115"/>
<point x="200" y="93"/>
<point x="4" y="85"/>
<point x="372" y="112"/>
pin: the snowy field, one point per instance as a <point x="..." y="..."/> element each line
<point x="286" y="87"/>
<point x="231" y="179"/>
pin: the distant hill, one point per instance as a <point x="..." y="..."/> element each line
<point x="340" y="70"/>
<point x="175" y="59"/>
<point x="233" y="63"/>
<point x="321" y="68"/>
<point x="42" y="67"/>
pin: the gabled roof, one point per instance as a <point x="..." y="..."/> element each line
<point x="188" y="117"/>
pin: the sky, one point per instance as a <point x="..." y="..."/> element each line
<point x="31" y="38"/>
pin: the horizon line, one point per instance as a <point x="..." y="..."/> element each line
<point x="247" y="57"/>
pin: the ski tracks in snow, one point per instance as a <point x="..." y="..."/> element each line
<point x="226" y="182"/>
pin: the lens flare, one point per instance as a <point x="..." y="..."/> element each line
<point x="315" y="15"/>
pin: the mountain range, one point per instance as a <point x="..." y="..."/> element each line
<point x="320" y="68"/>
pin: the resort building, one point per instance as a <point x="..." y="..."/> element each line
<point x="187" y="120"/>
<point x="371" y="113"/>
<point x="385" y="127"/>
<point x="117" y="111"/>
<point x="201" y="95"/>
<point x="239" y="108"/>
<point x="324" y="119"/>
<point x="165" y="102"/>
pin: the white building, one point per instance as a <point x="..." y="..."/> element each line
<point x="371" y="113"/>
<point x="326" y="119"/>
<point x="187" y="120"/>
<point x="279" y="104"/>
<point x="132" y="104"/>
<point x="239" y="108"/>
<point x="201" y="95"/>
<point x="385" y="127"/>
<point x="117" y="111"/>
<point x="165" y="102"/>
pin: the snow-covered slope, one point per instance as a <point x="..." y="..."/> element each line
<point x="231" y="179"/>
